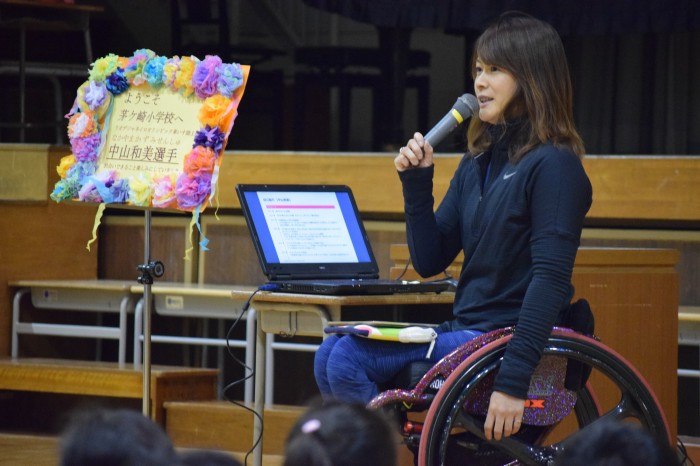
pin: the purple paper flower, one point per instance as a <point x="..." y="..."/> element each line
<point x="210" y="137"/>
<point x="230" y="78"/>
<point x="98" y="188"/>
<point x="86" y="149"/>
<point x="95" y="95"/>
<point x="89" y="192"/>
<point x="205" y="77"/>
<point x="119" y="191"/>
<point x="191" y="192"/>
<point x="117" y="82"/>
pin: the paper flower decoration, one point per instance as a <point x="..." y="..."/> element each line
<point x="218" y="86"/>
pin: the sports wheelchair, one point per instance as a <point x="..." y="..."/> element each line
<point x="454" y="395"/>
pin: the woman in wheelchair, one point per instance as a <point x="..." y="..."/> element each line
<point x="515" y="208"/>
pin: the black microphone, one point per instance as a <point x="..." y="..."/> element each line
<point x="464" y="108"/>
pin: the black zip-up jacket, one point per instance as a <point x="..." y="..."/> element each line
<point x="519" y="227"/>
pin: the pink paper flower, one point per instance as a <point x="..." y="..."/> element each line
<point x="199" y="161"/>
<point x="164" y="191"/>
<point x="191" y="192"/>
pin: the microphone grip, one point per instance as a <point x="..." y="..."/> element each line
<point x="444" y="127"/>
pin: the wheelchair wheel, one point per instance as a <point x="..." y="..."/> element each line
<point x="452" y="437"/>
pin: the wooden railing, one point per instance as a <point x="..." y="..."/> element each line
<point x="624" y="187"/>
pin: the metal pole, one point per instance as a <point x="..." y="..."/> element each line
<point x="147" y="320"/>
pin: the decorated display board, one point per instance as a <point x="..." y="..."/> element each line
<point x="150" y="131"/>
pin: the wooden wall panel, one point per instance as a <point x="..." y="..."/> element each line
<point x="630" y="188"/>
<point x="43" y="239"/>
<point x="231" y="257"/>
<point x="121" y="240"/>
<point x="636" y="312"/>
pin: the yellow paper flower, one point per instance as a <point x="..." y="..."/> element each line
<point x="103" y="67"/>
<point x="217" y="112"/>
<point x="170" y="71"/>
<point x="140" y="189"/>
<point x="183" y="77"/>
<point x="65" y="164"/>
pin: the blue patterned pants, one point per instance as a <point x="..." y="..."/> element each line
<point x="350" y="368"/>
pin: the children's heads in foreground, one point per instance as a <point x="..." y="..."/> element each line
<point x="116" y="438"/>
<point x="128" y="438"/>
<point x="616" y="444"/>
<point x="341" y="434"/>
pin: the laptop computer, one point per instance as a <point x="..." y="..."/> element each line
<point x="310" y="239"/>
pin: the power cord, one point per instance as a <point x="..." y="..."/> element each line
<point x="448" y="277"/>
<point x="683" y="456"/>
<point x="405" y="269"/>
<point x="248" y="371"/>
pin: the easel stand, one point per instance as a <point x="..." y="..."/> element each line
<point x="148" y="269"/>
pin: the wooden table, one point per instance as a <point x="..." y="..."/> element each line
<point x="689" y="334"/>
<point x="191" y="300"/>
<point x="110" y="296"/>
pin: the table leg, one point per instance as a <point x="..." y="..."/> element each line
<point x="123" y="310"/>
<point x="15" y="320"/>
<point x="250" y="330"/>
<point x="138" y="332"/>
<point x="269" y="370"/>
<point x="259" y="403"/>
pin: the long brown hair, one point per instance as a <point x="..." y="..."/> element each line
<point x="532" y="51"/>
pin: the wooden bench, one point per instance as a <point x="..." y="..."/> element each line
<point x="225" y="426"/>
<point x="221" y="425"/>
<point x="92" y="378"/>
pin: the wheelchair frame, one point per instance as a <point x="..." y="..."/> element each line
<point x="452" y="432"/>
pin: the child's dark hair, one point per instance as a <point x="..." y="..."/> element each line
<point x="341" y="434"/>
<point x="119" y="437"/>
<point x="616" y="443"/>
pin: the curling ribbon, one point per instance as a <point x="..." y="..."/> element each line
<point x="188" y="252"/>
<point x="214" y="195"/>
<point x="203" y="242"/>
<point x="98" y="218"/>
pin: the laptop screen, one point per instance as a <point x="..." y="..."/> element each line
<point x="307" y="231"/>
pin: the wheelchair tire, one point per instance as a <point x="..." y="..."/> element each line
<point x="452" y="437"/>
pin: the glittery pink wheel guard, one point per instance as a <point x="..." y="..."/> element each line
<point x="548" y="401"/>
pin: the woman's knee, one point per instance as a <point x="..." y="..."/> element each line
<point x="345" y="360"/>
<point x="347" y="377"/>
<point x="323" y="353"/>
